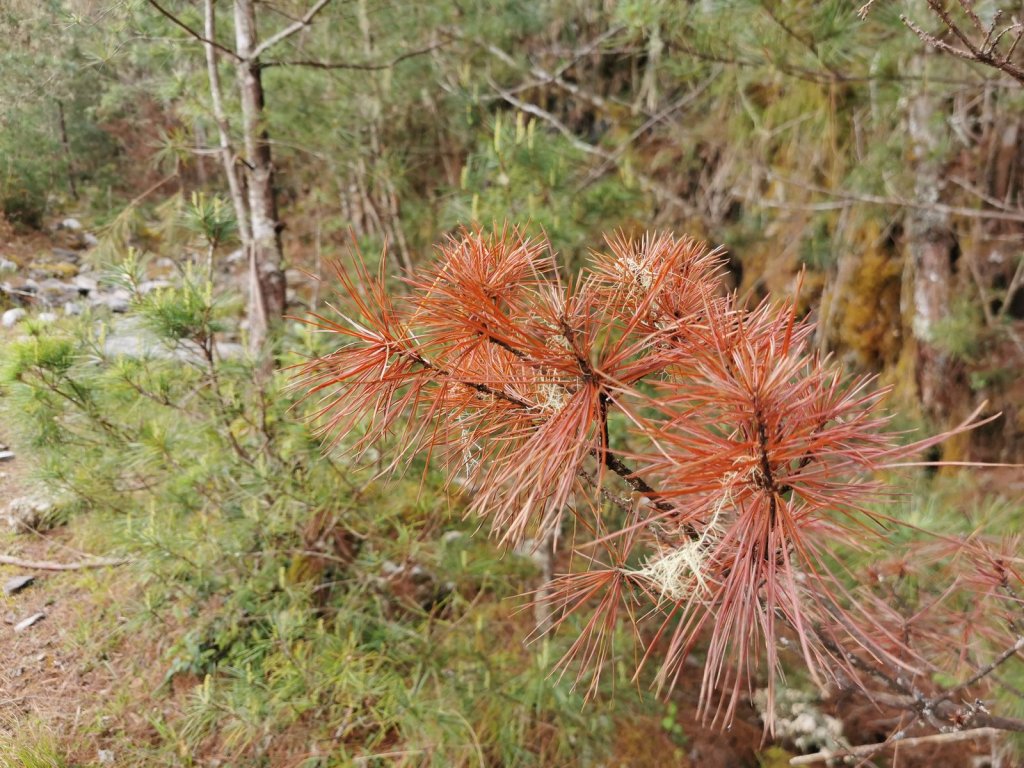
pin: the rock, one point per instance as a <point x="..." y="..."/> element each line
<point x="236" y="257"/>
<point x="28" y="513"/>
<point x="72" y="308"/>
<point x="6" y="265"/>
<point x="69" y="239"/>
<point x="6" y="455"/>
<point x="85" y="285"/>
<point x="12" y="317"/>
<point x="71" y="223"/>
<point x="24" y="624"/>
<point x="46" y="317"/>
<point x="17" y="583"/>
<point x="105" y="756"/>
<point x="119" y="301"/>
<point x="450" y="537"/>
<point x="90" y="239"/>
<point x="55" y="292"/>
<point x="65" y="254"/>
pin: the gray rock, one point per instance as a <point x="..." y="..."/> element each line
<point x="90" y="239"/>
<point x="15" y="584"/>
<point x="84" y="284"/>
<point x="65" y="254"/>
<point x="57" y="291"/>
<point x="6" y="265"/>
<point x="450" y="537"/>
<point x="6" y="455"/>
<point x="71" y="223"/>
<point x="236" y="257"/>
<point x="72" y="308"/>
<point x="46" y="317"/>
<point x="119" y="301"/>
<point x="105" y="756"/>
<point x="28" y="513"/>
<point x="12" y="317"/>
<point x="24" y="624"/>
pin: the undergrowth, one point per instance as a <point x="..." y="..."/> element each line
<point x="290" y="610"/>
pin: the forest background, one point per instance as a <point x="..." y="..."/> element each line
<point x="281" y="607"/>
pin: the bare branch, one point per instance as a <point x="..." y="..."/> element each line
<point x="288" y="31"/>
<point x="201" y="38"/>
<point x="47" y="565"/>
<point x="900" y="202"/>
<point x="867" y="750"/>
<point x="983" y="52"/>
<point x="365" y="66"/>
<point x="982" y="673"/>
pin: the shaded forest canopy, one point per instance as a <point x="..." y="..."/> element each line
<point x="797" y="135"/>
<point x="183" y="175"/>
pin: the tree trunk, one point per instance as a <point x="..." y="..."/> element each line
<point x="68" y="158"/>
<point x="930" y="249"/>
<point x="236" y="185"/>
<point x="267" y="281"/>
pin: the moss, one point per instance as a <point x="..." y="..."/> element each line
<point x="60" y="269"/>
<point x="869" y="306"/>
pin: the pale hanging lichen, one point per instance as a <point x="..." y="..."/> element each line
<point x="680" y="571"/>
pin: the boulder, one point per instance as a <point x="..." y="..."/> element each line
<point x="84" y="284"/>
<point x="29" y="513"/>
<point x="12" y="317"/>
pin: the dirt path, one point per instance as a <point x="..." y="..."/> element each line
<point x="55" y="675"/>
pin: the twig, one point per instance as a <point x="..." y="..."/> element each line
<point x="362" y="66"/>
<point x="179" y="23"/>
<point x="47" y="565"/>
<point x="866" y="750"/>
<point x="288" y="31"/>
<point x="1009" y="653"/>
<point x="954" y="210"/>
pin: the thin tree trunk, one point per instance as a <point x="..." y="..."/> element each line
<point x="930" y="248"/>
<point x="267" y="280"/>
<point x="67" y="150"/>
<point x="227" y="153"/>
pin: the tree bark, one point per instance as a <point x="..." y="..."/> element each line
<point x="69" y="159"/>
<point x="236" y="185"/>
<point x="930" y="248"/>
<point x="267" y="280"/>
